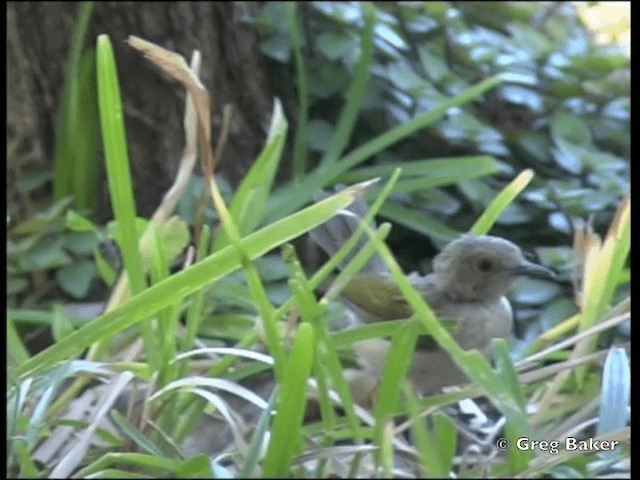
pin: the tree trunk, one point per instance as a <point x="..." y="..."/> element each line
<point x="38" y="40"/>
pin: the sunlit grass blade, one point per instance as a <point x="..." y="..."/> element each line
<point x="518" y="459"/>
<point x="257" y="289"/>
<point x="435" y="445"/>
<point x="327" y="368"/>
<point x="604" y="265"/>
<point x="484" y="223"/>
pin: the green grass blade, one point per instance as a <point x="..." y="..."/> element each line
<point x="188" y="281"/>
<point x="286" y="438"/>
<point x="394" y="374"/>
<point x="300" y="143"/>
<point x="355" y="93"/>
<point x="17" y="353"/>
<point x="117" y="163"/>
<point x="420" y="223"/>
<point x="484" y="223"/>
<point x="436" y="171"/>
<point x="292" y="197"/>
<point x="249" y="468"/>
<point x="86" y="137"/>
<point x="248" y="204"/>
<point x="68" y="124"/>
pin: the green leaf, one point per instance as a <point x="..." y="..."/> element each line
<point x="394" y="374"/>
<point x="61" y="325"/>
<point x="17" y="353"/>
<point x="44" y="257"/>
<point x="78" y="223"/>
<point x="76" y="279"/>
<point x="174" y="234"/>
<point x="32" y="180"/>
<point x="432" y="172"/>
<point x="16" y="285"/>
<point x="335" y="45"/>
<point x="389" y="35"/>
<point x="195" y="467"/>
<point x="70" y="123"/>
<point x="434" y="64"/>
<point x="599" y="63"/>
<point x="277" y="47"/>
<point x="530" y="39"/>
<point x="405" y="78"/>
<point x="445" y="440"/>
<point x="43" y="220"/>
<point x="320" y="134"/>
<point x="81" y="243"/>
<point x="570" y="127"/>
<point x="355" y="93"/>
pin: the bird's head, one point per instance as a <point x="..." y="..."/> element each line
<point x="482" y="267"/>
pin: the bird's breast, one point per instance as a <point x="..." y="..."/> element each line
<point x="480" y="322"/>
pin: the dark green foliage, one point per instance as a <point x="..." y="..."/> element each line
<point x="567" y="117"/>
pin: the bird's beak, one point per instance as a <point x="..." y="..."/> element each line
<point x="534" y="270"/>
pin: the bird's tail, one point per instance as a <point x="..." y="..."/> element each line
<point x="332" y="234"/>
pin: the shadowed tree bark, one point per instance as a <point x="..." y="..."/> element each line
<point x="38" y="40"/>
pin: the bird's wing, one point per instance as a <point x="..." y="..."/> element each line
<point x="377" y="295"/>
<point x="380" y="299"/>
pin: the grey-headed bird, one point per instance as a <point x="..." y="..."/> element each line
<point x="470" y="279"/>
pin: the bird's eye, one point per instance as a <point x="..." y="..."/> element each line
<point x="484" y="265"/>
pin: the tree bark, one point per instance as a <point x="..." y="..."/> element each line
<point x="38" y="40"/>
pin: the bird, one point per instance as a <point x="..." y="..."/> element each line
<point x="470" y="279"/>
